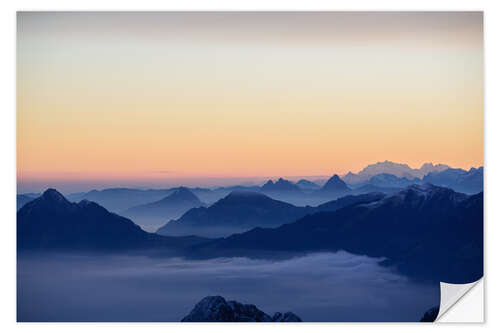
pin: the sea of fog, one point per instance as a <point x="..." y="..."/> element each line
<point x="318" y="287"/>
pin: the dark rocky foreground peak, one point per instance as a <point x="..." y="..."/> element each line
<point x="217" y="309"/>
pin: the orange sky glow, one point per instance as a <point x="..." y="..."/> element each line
<point x="160" y="98"/>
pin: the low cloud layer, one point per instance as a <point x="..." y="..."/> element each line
<point x="318" y="287"/>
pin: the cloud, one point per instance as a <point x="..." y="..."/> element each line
<point x="318" y="287"/>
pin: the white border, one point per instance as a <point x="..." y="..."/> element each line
<point x="8" y="172"/>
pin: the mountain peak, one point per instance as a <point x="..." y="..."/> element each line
<point x="335" y="184"/>
<point x="53" y="195"/>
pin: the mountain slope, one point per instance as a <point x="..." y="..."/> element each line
<point x="53" y="222"/>
<point x="153" y="214"/>
<point x="23" y="199"/>
<point x="411" y="229"/>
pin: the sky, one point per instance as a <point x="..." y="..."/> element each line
<point x="152" y="98"/>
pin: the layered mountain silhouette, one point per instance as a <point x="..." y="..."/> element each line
<point x="458" y="179"/>
<point x="171" y="207"/>
<point x="53" y="222"/>
<point x="425" y="231"/>
<point x="119" y="199"/>
<point x="217" y="309"/>
<point x="243" y="210"/>
<point x="237" y="212"/>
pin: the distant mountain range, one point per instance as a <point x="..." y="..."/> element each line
<point x="171" y="207"/>
<point x="396" y="169"/>
<point x="52" y="222"/>
<point x="243" y="210"/>
<point x="281" y="185"/>
<point x="386" y="177"/>
<point x="217" y="309"/>
<point x="410" y="228"/>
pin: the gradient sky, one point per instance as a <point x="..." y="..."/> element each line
<point x="162" y="98"/>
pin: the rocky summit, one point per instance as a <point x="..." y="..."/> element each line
<point x="217" y="309"/>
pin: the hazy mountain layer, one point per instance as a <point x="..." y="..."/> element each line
<point x="243" y="210"/>
<point x="155" y="214"/>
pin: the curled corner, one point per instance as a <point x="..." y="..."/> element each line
<point x="451" y="294"/>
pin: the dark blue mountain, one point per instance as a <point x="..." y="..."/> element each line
<point x="157" y="213"/>
<point x="243" y="210"/>
<point x="217" y="309"/>
<point x="458" y="179"/>
<point x="53" y="222"/>
<point x="424" y="231"/>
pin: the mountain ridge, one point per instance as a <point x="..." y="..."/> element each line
<point x="409" y="228"/>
